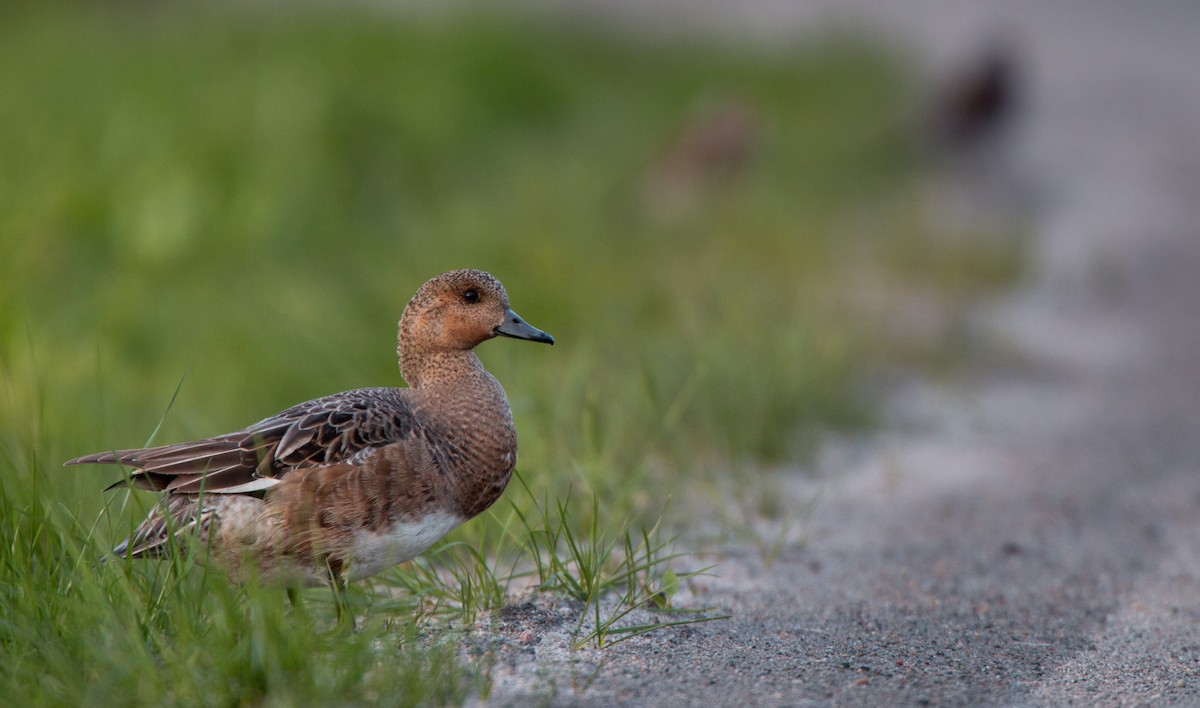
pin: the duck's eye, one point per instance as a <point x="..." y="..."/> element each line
<point x="471" y="295"/>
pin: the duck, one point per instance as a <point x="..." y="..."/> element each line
<point x="343" y="487"/>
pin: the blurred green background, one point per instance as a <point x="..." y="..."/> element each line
<point x="726" y="243"/>
<point x="245" y="199"/>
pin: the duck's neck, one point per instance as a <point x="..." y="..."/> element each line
<point x="457" y="392"/>
<point x="440" y="368"/>
<point x="466" y="409"/>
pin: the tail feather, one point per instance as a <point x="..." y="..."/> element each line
<point x="176" y="517"/>
<point x="207" y="465"/>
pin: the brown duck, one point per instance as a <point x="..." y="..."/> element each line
<point x="342" y="487"/>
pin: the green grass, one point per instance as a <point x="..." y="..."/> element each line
<point x="246" y="199"/>
<point x="594" y="563"/>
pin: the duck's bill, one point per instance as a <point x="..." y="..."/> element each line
<point x="514" y="326"/>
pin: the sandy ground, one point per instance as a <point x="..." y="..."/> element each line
<point x="1031" y="534"/>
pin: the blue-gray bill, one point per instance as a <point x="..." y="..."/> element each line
<point x="514" y="326"/>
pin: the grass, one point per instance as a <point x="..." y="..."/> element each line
<point x="594" y="563"/>
<point x="245" y="200"/>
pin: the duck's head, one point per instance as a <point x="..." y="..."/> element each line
<point x="457" y="310"/>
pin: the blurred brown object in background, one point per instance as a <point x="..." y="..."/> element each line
<point x="978" y="102"/>
<point x="712" y="146"/>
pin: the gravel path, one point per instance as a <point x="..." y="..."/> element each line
<point x="1031" y="536"/>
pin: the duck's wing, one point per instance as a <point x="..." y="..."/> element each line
<point x="326" y="430"/>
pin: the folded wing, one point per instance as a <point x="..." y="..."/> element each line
<point x="327" y="430"/>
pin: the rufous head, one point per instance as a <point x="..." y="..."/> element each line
<point x="458" y="310"/>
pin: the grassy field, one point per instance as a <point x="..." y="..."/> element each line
<point x="235" y="205"/>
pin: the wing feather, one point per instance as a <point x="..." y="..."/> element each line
<point x="322" y="431"/>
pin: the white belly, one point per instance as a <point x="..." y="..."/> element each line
<point x="375" y="552"/>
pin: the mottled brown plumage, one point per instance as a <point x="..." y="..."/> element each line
<point x="350" y="484"/>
